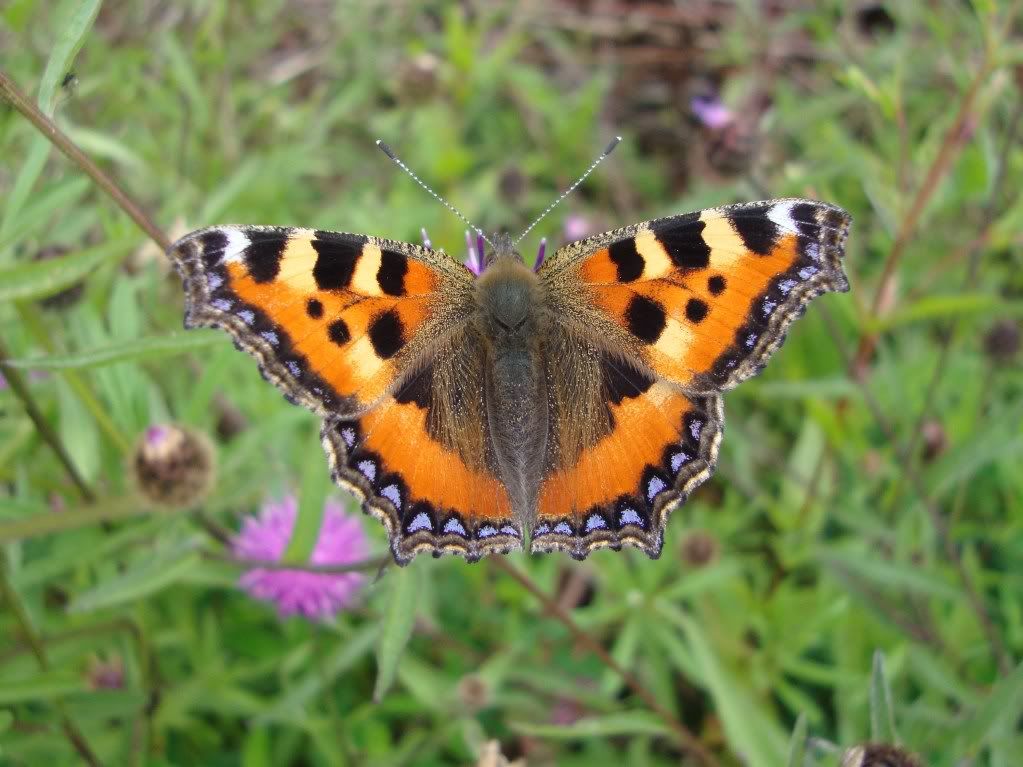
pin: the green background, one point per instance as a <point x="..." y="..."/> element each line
<point x="854" y="570"/>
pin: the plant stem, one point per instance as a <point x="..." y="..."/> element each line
<point x="50" y="437"/>
<point x="13" y="599"/>
<point x="10" y="91"/>
<point x="688" y="740"/>
<point x="53" y="522"/>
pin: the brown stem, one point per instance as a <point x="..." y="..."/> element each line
<point x="10" y="595"/>
<point x="988" y="216"/>
<point x="998" y="649"/>
<point x="10" y="91"/>
<point x="365" y="565"/>
<point x="954" y="140"/>
<point x="46" y="431"/>
<point x="688" y="740"/>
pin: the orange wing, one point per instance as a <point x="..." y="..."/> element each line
<point x="424" y="463"/>
<point x="704" y="299"/>
<point x="657" y="447"/>
<point x="372" y="335"/>
<point x="335" y="320"/>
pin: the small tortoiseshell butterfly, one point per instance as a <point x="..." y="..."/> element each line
<point x="574" y="406"/>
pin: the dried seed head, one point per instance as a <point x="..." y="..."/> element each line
<point x="699" y="549"/>
<point x="1002" y="341"/>
<point x="878" y="755"/>
<point x="473" y="692"/>
<point x="935" y="439"/>
<point x="173" y="466"/>
<point x="106" y="674"/>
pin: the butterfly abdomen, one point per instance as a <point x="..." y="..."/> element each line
<point x="509" y="305"/>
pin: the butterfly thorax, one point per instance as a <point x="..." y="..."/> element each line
<point x="509" y="303"/>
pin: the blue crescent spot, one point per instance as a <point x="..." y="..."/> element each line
<point x="393" y="494"/>
<point x="630" y="517"/>
<point x="563" y="528"/>
<point x="595" y="522"/>
<point x="420" y="522"/>
<point x="677" y="459"/>
<point x="653" y="487"/>
<point x="369" y="469"/>
<point x="454" y="526"/>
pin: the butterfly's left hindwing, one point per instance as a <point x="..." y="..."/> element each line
<point x="702" y="299"/>
<point x="423" y="460"/>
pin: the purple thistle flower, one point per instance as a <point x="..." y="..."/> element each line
<point x="576" y="227"/>
<point x="711" y="112"/>
<point x="314" y="595"/>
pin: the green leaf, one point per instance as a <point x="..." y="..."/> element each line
<point x="131" y="351"/>
<point x="882" y="713"/>
<point x="311" y="498"/>
<point x="139" y="580"/>
<point x="890" y="576"/>
<point x="750" y="730"/>
<point x="45" y="685"/>
<point x="73" y="29"/>
<point x="1003" y="706"/>
<point x="797" y="744"/>
<point x="945" y="307"/>
<point x="399" y="619"/>
<point x="350" y="650"/>
<point x="39" y="279"/>
<point x="606" y="726"/>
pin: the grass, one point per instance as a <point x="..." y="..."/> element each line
<point x="852" y="572"/>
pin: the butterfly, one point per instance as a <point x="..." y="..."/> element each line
<point x="567" y="408"/>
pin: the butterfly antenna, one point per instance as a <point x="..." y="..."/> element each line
<point x="397" y="161"/>
<point x="607" y="150"/>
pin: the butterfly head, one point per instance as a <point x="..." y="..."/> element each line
<point x="506" y="292"/>
<point x="502" y="247"/>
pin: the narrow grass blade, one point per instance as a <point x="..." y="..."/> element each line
<point x="132" y="351"/>
<point x="797" y="744"/>
<point x="607" y="726"/>
<point x="39" y="279"/>
<point x="882" y="714"/>
<point x="397" y="626"/>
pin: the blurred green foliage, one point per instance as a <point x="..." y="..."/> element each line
<point x="850" y="515"/>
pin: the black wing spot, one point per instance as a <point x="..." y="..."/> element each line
<point x="696" y="310"/>
<point x="682" y="238"/>
<point x="627" y="259"/>
<point x="339" y="333"/>
<point x="263" y="256"/>
<point x="335" y="260"/>
<point x="391" y="274"/>
<point x="387" y="334"/>
<point x="622" y="381"/>
<point x="314" y="308"/>
<point x="716" y="285"/>
<point x="758" y="232"/>
<point x="417" y="389"/>
<point x="646" y="319"/>
<point x="213" y="245"/>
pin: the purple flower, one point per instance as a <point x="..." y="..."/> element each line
<point x="576" y="227"/>
<point x="711" y="112"/>
<point x="314" y="595"/>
